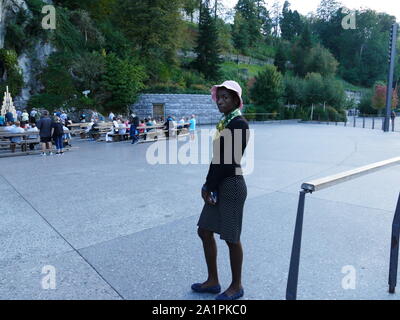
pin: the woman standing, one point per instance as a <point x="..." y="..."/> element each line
<point x="225" y="192"/>
<point x="58" y="132"/>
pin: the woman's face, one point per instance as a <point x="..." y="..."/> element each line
<point x="226" y="101"/>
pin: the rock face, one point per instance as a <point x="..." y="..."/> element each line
<point x="8" y="10"/>
<point x="29" y="61"/>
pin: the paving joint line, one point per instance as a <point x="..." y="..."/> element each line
<point x="55" y="230"/>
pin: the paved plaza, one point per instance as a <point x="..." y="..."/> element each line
<point x="115" y="227"/>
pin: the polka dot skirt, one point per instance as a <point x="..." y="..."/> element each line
<point x="225" y="218"/>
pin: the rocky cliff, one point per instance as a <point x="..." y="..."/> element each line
<point x="31" y="59"/>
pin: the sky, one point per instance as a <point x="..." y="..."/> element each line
<point x="391" y="7"/>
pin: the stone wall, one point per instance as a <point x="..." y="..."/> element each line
<point x="179" y="105"/>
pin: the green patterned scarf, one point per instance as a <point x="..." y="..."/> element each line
<point x="221" y="125"/>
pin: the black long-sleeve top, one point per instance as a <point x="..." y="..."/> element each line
<point x="228" y="167"/>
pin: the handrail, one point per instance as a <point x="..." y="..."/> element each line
<point x="322" y="183"/>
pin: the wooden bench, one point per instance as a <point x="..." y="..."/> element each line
<point x="159" y="133"/>
<point x="6" y="143"/>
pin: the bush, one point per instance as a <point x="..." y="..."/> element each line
<point x="14" y="80"/>
<point x="46" y="101"/>
<point x="365" y="105"/>
<point x="249" y="110"/>
<point x="288" y="113"/>
<point x="268" y="89"/>
<point x="333" y="115"/>
<point x="319" y="114"/>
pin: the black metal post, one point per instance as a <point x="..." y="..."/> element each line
<point x="291" y="289"/>
<point x="354" y="122"/>
<point x="373" y="123"/>
<point x="364" y="122"/>
<point x="394" y="249"/>
<point x="392" y="63"/>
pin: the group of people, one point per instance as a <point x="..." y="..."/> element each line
<point x="136" y="127"/>
<point x="22" y="117"/>
<point x="38" y="124"/>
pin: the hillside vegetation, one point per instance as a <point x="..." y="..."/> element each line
<point x="120" y="48"/>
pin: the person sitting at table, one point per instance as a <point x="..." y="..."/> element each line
<point x="16" y="129"/>
<point x="187" y="123"/>
<point x="67" y="137"/>
<point x="94" y="130"/>
<point x="141" y="124"/>
<point x="149" y="123"/>
<point x="122" y="128"/>
<point x="33" y="129"/>
<point x="116" y="124"/>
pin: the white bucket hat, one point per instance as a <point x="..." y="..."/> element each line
<point x="231" y="85"/>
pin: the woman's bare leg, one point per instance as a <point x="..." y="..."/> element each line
<point x="210" y="253"/>
<point x="236" y="259"/>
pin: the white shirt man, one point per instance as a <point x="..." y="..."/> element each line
<point x="17" y="129"/>
<point x="33" y="129"/>
<point x="25" y="116"/>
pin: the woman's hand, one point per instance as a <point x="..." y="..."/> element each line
<point x="206" y="195"/>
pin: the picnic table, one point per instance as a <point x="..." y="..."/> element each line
<point x="25" y="141"/>
<point x="159" y="132"/>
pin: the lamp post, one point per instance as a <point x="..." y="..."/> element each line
<point x="389" y="87"/>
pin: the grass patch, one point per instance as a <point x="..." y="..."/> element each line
<point x="229" y="67"/>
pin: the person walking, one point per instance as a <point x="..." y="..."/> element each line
<point x="45" y="125"/>
<point x="224" y="192"/>
<point x="133" y="129"/>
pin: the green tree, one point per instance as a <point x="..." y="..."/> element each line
<point x="281" y="59"/>
<point x="320" y="60"/>
<point x="268" y="89"/>
<point x="327" y="8"/>
<point x="207" y="49"/>
<point x="120" y="84"/>
<point x="314" y="89"/>
<point x="290" y="23"/>
<point x="301" y="51"/>
<point x="10" y="73"/>
<point x="154" y="28"/>
<point x="87" y="70"/>
<point x="247" y="25"/>
<point x="333" y="93"/>
<point x="92" y="36"/>
<point x="365" y="105"/>
<point x="294" y="90"/>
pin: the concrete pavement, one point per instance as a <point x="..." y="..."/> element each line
<point x="115" y="227"/>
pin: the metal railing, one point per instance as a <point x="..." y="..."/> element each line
<point x="319" y="184"/>
<point x="364" y="121"/>
<point x="251" y="117"/>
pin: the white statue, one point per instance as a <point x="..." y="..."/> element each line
<point x="8" y="105"/>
